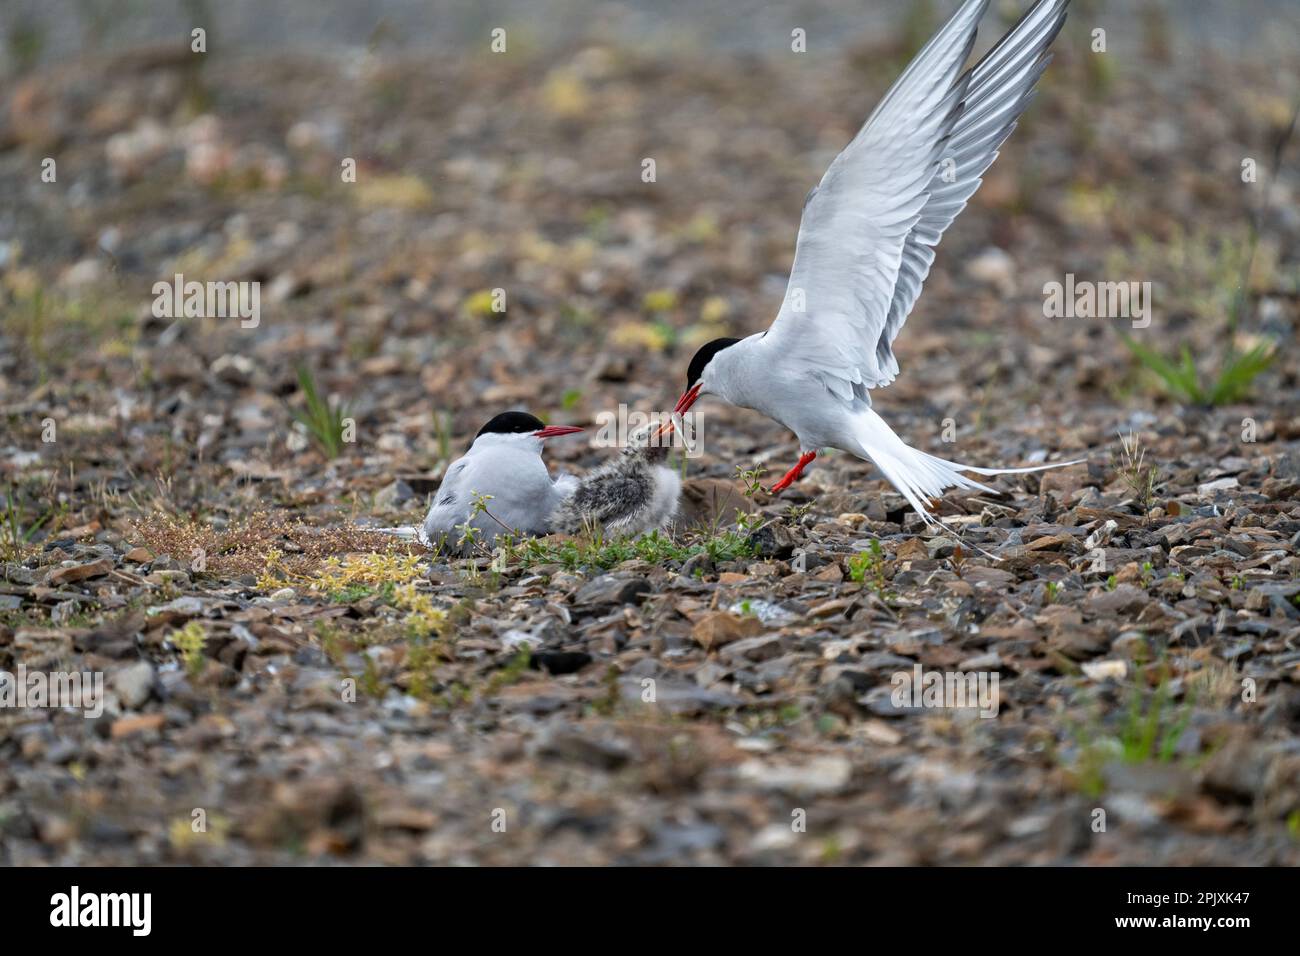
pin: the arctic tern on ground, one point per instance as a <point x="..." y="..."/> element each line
<point x="865" y="245"/>
<point x="504" y="463"/>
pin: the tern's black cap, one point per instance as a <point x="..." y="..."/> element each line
<point x="704" y="356"/>
<point x="512" y="423"/>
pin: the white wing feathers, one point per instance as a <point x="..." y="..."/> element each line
<point x="999" y="88"/>
<point x="866" y="241"/>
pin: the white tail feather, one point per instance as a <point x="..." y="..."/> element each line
<point x="407" y="532"/>
<point x="919" y="476"/>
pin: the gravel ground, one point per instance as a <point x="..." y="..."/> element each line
<point x="283" y="687"/>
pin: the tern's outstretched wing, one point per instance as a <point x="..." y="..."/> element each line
<point x="869" y="229"/>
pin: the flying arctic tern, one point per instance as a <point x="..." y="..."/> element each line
<point x="504" y="464"/>
<point x="865" y="245"/>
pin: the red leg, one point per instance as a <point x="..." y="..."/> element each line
<point x="793" y="474"/>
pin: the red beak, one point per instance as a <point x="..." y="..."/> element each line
<point x="555" y="431"/>
<point x="688" y="399"/>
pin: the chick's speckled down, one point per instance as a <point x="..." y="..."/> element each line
<point x="630" y="495"/>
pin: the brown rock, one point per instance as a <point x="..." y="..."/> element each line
<point x="762" y="648"/>
<point x="1237" y="770"/>
<point x="1053" y="542"/>
<point x="414" y="819"/>
<point x="830" y="572"/>
<point x="913" y="549"/>
<point x="1064" y="482"/>
<point x="989" y="577"/>
<point x="42" y="641"/>
<point x="719" y="628"/>
<point x="1125" y="599"/>
<point x="831" y="608"/>
<point x="130" y="726"/>
<point x="959" y="588"/>
<point x="80" y="572"/>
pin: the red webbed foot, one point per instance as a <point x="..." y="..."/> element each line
<point x="793" y="474"/>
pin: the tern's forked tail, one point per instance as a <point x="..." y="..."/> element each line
<point x="407" y="532"/>
<point x="919" y="476"/>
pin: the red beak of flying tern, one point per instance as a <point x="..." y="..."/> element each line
<point x="688" y="399"/>
<point x="684" y="403"/>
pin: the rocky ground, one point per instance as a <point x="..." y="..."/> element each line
<point x="285" y="688"/>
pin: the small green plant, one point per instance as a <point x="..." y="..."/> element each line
<point x="1140" y="478"/>
<point x="422" y="659"/>
<point x="1183" y="380"/>
<point x="351" y="594"/>
<point x="332" y="642"/>
<point x="796" y="513"/>
<point x="190" y="641"/>
<point x="324" y="419"/>
<point x="724" y="546"/>
<point x="480" y="507"/>
<point x="471" y="536"/>
<point x="1053" y="589"/>
<point x="30" y="324"/>
<point x="751" y="478"/>
<point x="858" y="565"/>
<point x="747" y="522"/>
<point x="870" y="563"/>
<point x="1153" y="725"/>
<point x="442" y="434"/>
<point x="513" y="671"/>
<point x="26" y="42"/>
<point x="591" y="550"/>
<point x="1151" y="729"/>
<point x="16" y="533"/>
<point x="371" y="682"/>
<point x="606" y="704"/>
